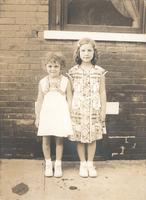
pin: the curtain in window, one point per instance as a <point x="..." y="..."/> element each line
<point x="128" y="8"/>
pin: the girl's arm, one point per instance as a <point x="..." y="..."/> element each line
<point x="38" y="105"/>
<point x="69" y="94"/>
<point x="103" y="98"/>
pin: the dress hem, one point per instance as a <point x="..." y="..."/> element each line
<point x="74" y="140"/>
<point x="56" y="135"/>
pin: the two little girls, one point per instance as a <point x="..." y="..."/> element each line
<point x="73" y="107"/>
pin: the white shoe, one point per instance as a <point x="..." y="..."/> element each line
<point x="91" y="170"/>
<point x="83" y="171"/>
<point x="58" y="170"/>
<point x="49" y="169"/>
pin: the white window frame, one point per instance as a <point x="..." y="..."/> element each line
<point x="56" y="31"/>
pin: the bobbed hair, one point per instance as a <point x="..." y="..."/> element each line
<point x="77" y="51"/>
<point x="53" y="58"/>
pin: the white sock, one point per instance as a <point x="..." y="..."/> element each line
<point x="90" y="163"/>
<point x="58" y="162"/>
<point x="48" y="161"/>
<point x="83" y="162"/>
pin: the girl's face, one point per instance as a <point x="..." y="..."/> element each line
<point x="86" y="53"/>
<point x="53" y="69"/>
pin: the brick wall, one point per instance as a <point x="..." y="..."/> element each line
<point x="22" y="46"/>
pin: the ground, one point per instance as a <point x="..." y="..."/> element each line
<point x="116" y="180"/>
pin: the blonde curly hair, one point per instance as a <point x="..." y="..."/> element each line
<point x="53" y="58"/>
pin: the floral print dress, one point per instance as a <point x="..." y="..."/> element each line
<point x="86" y="106"/>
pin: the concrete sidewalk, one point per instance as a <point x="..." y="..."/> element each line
<point x="116" y="180"/>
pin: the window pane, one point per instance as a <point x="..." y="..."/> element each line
<point x="99" y="12"/>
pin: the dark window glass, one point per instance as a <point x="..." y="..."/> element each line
<point x="125" y="16"/>
<point x="95" y="12"/>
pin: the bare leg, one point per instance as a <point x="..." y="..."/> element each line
<point x="47" y="155"/>
<point x="81" y="151"/>
<point x="83" y="172"/>
<point x="91" y="153"/>
<point x="59" y="152"/>
<point x="46" y="147"/>
<point x="59" y="148"/>
<point x="91" y="150"/>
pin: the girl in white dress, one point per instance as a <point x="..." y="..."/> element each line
<point x="53" y="111"/>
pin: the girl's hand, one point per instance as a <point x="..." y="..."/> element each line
<point x="103" y="116"/>
<point x="37" y="123"/>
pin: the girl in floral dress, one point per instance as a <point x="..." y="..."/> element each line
<point x="53" y="111"/>
<point x="88" y="104"/>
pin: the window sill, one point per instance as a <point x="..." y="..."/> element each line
<point x="97" y="36"/>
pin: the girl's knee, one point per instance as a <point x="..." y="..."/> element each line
<point x="46" y="140"/>
<point x="59" y="141"/>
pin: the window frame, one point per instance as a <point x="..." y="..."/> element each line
<point x="58" y="20"/>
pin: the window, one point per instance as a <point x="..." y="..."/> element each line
<point x="123" y="16"/>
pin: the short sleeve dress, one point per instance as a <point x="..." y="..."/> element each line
<point x="86" y="107"/>
<point x="54" y="115"/>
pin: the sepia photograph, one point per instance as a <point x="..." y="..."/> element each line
<point x="73" y="99"/>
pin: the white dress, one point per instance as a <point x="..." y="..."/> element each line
<point x="54" y="116"/>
